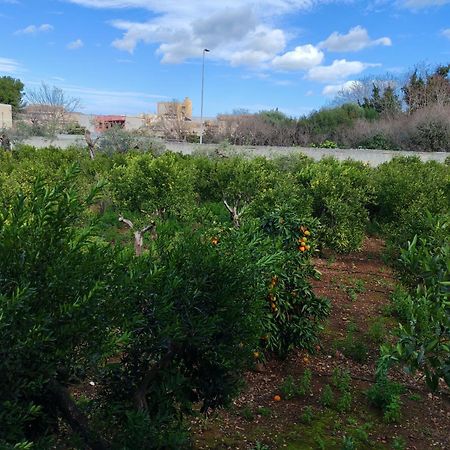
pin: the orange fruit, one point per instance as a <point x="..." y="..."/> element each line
<point x="277" y="398"/>
<point x="302" y="249"/>
<point x="214" y="241"/>
<point x="307" y="247"/>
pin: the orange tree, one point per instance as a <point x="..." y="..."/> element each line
<point x="283" y="243"/>
<point x="154" y="334"/>
<point x="294" y="314"/>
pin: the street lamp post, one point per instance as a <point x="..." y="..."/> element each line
<point x="205" y="50"/>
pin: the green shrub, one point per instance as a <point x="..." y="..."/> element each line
<point x="432" y="136"/>
<point x="58" y="310"/>
<point x="341" y="193"/>
<point x="385" y="394"/>
<point x="424" y="331"/>
<point x="327" y="396"/>
<point x="405" y="189"/>
<point x="162" y="185"/>
<point x="378" y="141"/>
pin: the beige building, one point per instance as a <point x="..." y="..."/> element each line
<point x="5" y="116"/>
<point x="175" y="109"/>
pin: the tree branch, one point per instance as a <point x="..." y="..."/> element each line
<point x="75" y="418"/>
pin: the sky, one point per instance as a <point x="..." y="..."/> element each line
<point x="123" y="56"/>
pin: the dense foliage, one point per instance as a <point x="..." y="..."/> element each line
<point x="387" y="114"/>
<point x="103" y="348"/>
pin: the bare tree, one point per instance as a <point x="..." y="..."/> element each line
<point x="360" y="90"/>
<point x="235" y="215"/>
<point x="91" y="143"/>
<point x="49" y="107"/>
<point x="139" y="234"/>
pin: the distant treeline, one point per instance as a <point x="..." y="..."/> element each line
<point x="380" y="114"/>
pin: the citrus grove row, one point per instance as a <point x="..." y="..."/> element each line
<point x="136" y="287"/>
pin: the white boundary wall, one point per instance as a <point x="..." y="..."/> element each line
<point x="371" y="157"/>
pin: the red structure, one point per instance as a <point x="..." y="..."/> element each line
<point x="103" y="123"/>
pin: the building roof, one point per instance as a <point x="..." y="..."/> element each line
<point x="111" y="118"/>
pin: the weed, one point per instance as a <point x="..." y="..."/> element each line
<point x="304" y="387"/>
<point x="415" y="397"/>
<point x="260" y="446"/>
<point x="377" y="330"/>
<point x="359" y="286"/>
<point x="308" y="415"/>
<point x="383" y="392"/>
<point x="345" y="402"/>
<point x="337" y="425"/>
<point x="398" y="443"/>
<point x="247" y="414"/>
<point x="361" y="433"/>
<point x="341" y="379"/>
<point x="392" y="413"/>
<point x="321" y="444"/>
<point x="327" y="397"/>
<point x="288" y="388"/>
<point x="264" y="411"/>
<point x="348" y="443"/>
<point x="353" y="347"/>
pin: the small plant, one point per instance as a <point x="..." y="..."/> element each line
<point x="260" y="446"/>
<point x="398" y="443"/>
<point x="415" y="397"/>
<point x="288" y="388"/>
<point x="327" y="396"/>
<point x="308" y="415"/>
<point x="353" y="296"/>
<point x="345" y="402"/>
<point x="353" y="347"/>
<point x="321" y="444"/>
<point x="341" y="379"/>
<point x="304" y="387"/>
<point x="359" y="286"/>
<point x="385" y="395"/>
<point x="348" y="443"/>
<point x="264" y="411"/>
<point x="247" y="414"/>
<point x="377" y="330"/>
<point x="361" y="433"/>
<point x="393" y="414"/>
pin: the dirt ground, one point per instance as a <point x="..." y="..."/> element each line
<point x="359" y="286"/>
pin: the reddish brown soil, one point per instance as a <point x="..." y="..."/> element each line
<point x="358" y="286"/>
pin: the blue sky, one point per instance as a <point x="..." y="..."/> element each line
<point x="123" y="56"/>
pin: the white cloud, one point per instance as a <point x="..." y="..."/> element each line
<point x="75" y="45"/>
<point x="238" y="32"/>
<point x="338" y="70"/>
<point x="9" y="65"/>
<point x="356" y="39"/>
<point x="333" y="89"/>
<point x="35" y="29"/>
<point x="301" y="58"/>
<point x="446" y="33"/>
<point x="419" y="4"/>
